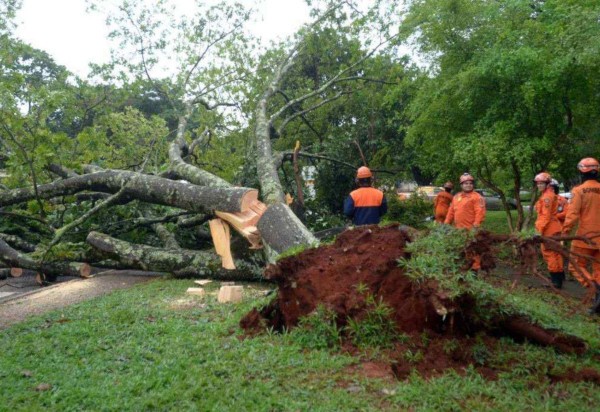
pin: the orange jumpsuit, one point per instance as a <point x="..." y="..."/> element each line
<point x="547" y="224"/>
<point x="466" y="211"/>
<point x="585" y="208"/>
<point x="440" y="206"/>
<point x="563" y="206"/>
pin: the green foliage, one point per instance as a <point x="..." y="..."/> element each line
<point x="318" y="330"/>
<point x="333" y="185"/>
<point x="435" y="255"/>
<point x="413" y="211"/>
<point x="376" y="329"/>
<point x="413" y="356"/>
<point x="508" y="97"/>
<point x="481" y="353"/>
<point x="319" y="217"/>
<point x="126" y="140"/>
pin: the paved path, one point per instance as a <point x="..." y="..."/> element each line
<point x="22" y="298"/>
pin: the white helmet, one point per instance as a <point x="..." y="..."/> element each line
<point x="554" y="182"/>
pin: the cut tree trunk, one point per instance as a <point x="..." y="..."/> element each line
<point x="179" y="262"/>
<point x="15" y="272"/>
<point x="16" y="259"/>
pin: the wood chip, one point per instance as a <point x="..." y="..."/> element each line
<point x="196" y="291"/>
<point x="230" y="294"/>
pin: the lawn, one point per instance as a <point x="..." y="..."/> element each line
<point x="495" y="221"/>
<point x="153" y="347"/>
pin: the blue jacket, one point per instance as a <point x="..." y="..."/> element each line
<point x="365" y="206"/>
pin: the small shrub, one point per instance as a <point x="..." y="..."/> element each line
<point x="413" y="357"/>
<point x="413" y="211"/>
<point x="318" y="330"/>
<point x="481" y="352"/>
<point x="377" y="329"/>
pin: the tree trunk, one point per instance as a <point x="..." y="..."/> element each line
<point x="13" y="258"/>
<point x="179" y="262"/>
<point x="281" y="229"/>
<point x="147" y="188"/>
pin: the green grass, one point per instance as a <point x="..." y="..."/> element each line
<point x="153" y="347"/>
<point x="495" y="221"/>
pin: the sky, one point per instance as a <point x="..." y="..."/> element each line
<point x="75" y="38"/>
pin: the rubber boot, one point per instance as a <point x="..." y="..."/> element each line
<point x="557" y="279"/>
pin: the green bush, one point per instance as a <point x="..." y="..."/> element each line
<point x="318" y="330"/>
<point x="376" y="329"/>
<point x="413" y="211"/>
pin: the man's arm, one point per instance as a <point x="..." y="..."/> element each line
<point x="479" y="211"/>
<point x="450" y="215"/>
<point x="544" y="215"/>
<point x="349" y="207"/>
<point x="572" y="213"/>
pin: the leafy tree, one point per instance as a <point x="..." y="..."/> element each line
<point x="510" y="88"/>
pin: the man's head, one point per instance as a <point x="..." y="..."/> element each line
<point x="542" y="180"/>
<point x="448" y="186"/>
<point x="588" y="167"/>
<point x="364" y="177"/>
<point x="467" y="182"/>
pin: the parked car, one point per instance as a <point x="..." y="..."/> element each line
<point x="429" y="191"/>
<point x="493" y="201"/>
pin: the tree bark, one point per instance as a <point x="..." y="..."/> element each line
<point x="147" y="188"/>
<point x="281" y="229"/>
<point x="17" y="242"/>
<point x="179" y="262"/>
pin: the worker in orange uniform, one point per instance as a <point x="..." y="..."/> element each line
<point x="547" y="224"/>
<point x="563" y="202"/>
<point x="365" y="205"/>
<point x="467" y="210"/>
<point x="442" y="201"/>
<point x="585" y="209"/>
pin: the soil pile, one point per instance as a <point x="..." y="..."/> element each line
<point x="360" y="268"/>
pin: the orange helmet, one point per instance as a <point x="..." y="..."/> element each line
<point x="448" y="185"/>
<point x="466" y="178"/>
<point x="363" y="172"/>
<point x="588" y="164"/>
<point x="542" y="177"/>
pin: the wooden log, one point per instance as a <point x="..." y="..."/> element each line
<point x="16" y="259"/>
<point x="245" y="222"/>
<point x="15" y="272"/>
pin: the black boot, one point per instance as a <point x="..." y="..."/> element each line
<point x="557" y="279"/>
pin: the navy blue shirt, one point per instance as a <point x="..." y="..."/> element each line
<point x="365" y="206"/>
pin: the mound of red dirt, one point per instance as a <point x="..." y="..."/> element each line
<point x="362" y="264"/>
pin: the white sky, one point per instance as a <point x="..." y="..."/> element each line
<point x="75" y="38"/>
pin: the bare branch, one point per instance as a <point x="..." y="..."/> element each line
<point x="310" y="109"/>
